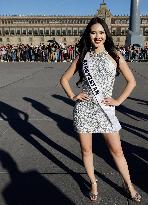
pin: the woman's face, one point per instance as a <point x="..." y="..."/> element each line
<point x="97" y="35"/>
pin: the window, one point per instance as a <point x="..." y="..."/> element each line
<point x="35" y="32"/>
<point x="64" y="32"/>
<point x="80" y="32"/>
<point x="117" y="21"/>
<point x="30" y="32"/>
<point x="8" y="40"/>
<point x="18" y="32"/>
<point x="47" y="32"/>
<point x="75" y="33"/>
<point x="144" y="21"/>
<point x="113" y="31"/>
<point x="41" y="32"/>
<point x="53" y="32"/>
<point x="1" y="40"/>
<point x="69" y="32"/>
<point x="146" y="32"/>
<point x="12" y="32"/>
<point x="124" y="21"/>
<point x="24" y="32"/>
<point x="122" y="32"/>
<point x="6" y="32"/>
<point x="58" y="32"/>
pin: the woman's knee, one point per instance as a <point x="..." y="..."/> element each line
<point x="86" y="151"/>
<point x="117" y="152"/>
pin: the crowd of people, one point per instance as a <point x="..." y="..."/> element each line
<point x="134" y="53"/>
<point x="28" y="53"/>
<point x="60" y="53"/>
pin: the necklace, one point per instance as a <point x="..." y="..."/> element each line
<point x="94" y="54"/>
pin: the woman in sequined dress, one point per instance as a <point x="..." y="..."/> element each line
<point x="91" y="116"/>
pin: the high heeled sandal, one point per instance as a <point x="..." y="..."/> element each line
<point x="136" y="198"/>
<point x="93" y="197"/>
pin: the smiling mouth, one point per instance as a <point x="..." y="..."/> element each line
<point x="97" y="41"/>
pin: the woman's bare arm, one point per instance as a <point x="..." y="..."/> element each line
<point x="129" y="77"/>
<point x="65" y="83"/>
<point x="131" y="83"/>
<point x="66" y="78"/>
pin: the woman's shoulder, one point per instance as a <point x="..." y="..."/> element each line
<point x="121" y="58"/>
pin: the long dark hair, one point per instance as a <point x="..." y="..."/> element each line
<point x="84" y="45"/>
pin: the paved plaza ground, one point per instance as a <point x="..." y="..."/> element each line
<point x="40" y="159"/>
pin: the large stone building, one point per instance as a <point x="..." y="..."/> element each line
<point x="34" y="30"/>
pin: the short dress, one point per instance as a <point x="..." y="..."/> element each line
<point x="89" y="116"/>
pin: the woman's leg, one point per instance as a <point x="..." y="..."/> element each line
<point x="87" y="156"/>
<point x="114" y="144"/>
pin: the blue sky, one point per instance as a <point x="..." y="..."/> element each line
<point x="65" y="7"/>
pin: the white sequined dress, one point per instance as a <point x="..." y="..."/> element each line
<point x="89" y="116"/>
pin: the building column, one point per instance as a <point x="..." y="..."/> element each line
<point x="133" y="35"/>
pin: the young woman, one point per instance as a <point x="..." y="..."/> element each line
<point x="94" y="111"/>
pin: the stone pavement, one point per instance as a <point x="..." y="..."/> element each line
<point x="40" y="159"/>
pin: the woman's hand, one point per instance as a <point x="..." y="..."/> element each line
<point x="81" y="96"/>
<point x="110" y="101"/>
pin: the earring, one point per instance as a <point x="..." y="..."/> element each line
<point x="91" y="48"/>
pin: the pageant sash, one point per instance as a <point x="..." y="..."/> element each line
<point x="91" y="81"/>
<point x="97" y="92"/>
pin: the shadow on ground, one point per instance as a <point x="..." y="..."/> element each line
<point x="29" y="188"/>
<point x="18" y="120"/>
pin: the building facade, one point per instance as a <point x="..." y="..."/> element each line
<point x="34" y="30"/>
